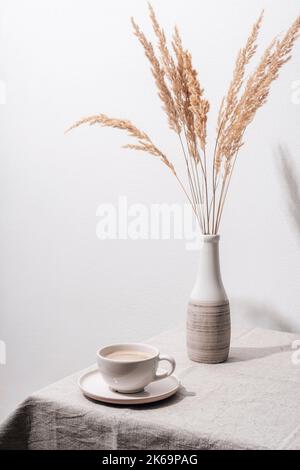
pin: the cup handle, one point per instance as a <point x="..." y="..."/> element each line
<point x="169" y="359"/>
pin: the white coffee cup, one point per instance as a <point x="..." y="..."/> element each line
<point x="129" y="367"/>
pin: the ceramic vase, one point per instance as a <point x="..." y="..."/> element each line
<point x="208" y="316"/>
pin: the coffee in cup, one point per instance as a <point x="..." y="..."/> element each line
<point x="130" y="367"/>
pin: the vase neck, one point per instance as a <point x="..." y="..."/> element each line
<point x="209" y="259"/>
<point x="209" y="286"/>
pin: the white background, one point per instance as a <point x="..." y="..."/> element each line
<point x="63" y="292"/>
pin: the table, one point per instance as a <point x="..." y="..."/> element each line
<point x="249" y="402"/>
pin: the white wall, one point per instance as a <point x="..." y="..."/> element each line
<point x="63" y="291"/>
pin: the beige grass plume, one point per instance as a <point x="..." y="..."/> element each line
<point x="159" y="77"/>
<point x="254" y="96"/>
<point x="229" y="103"/>
<point x="187" y="109"/>
<point x="144" y="143"/>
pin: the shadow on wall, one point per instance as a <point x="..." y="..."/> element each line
<point x="246" y="312"/>
<point x="290" y="182"/>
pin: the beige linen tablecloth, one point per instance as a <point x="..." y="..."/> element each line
<point x="250" y="402"/>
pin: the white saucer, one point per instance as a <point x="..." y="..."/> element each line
<point x="93" y="386"/>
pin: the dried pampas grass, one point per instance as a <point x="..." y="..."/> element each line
<point x="186" y="108"/>
<point x="144" y="142"/>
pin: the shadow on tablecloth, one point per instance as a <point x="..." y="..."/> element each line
<point x="242" y="354"/>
